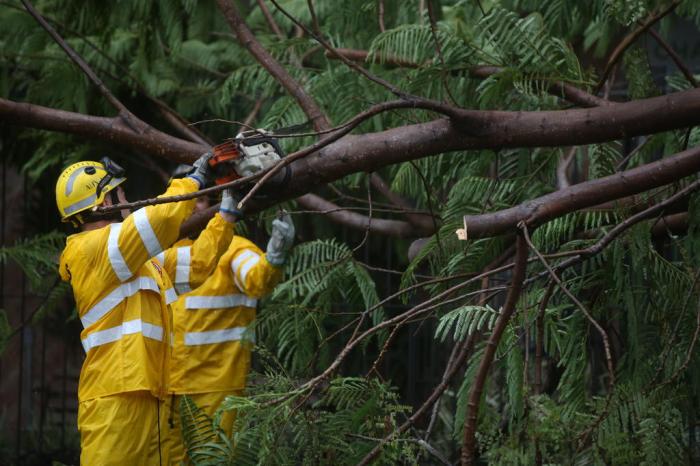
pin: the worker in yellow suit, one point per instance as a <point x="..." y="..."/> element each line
<point x="213" y="339"/>
<point x="122" y="297"/>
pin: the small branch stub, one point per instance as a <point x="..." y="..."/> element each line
<point x="462" y="232"/>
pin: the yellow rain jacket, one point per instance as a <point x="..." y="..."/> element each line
<point x="210" y="353"/>
<point x="122" y="298"/>
<point x="189" y="263"/>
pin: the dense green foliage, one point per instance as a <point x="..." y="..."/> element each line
<point x="641" y="289"/>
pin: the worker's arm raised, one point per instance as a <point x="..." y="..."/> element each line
<point x="146" y="232"/>
<point x="152" y="229"/>
<point x="256" y="274"/>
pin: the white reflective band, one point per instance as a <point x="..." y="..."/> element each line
<point x="217" y="336"/>
<point x="115" y="255"/>
<point x="154" y="332"/>
<point x="219" y="302"/>
<point x="170" y="296"/>
<point x="116" y="296"/>
<point x="241" y="265"/>
<point x="148" y="236"/>
<point x="161" y="258"/>
<point x="182" y="270"/>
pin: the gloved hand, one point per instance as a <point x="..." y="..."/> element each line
<point x="201" y="171"/>
<point x="281" y="240"/>
<point x="228" y="207"/>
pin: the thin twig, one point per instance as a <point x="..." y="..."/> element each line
<point x="620" y="228"/>
<point x="675" y="57"/>
<point x="603" y="334"/>
<point x="629" y="40"/>
<point x="269" y="19"/>
<point x="579" y="304"/>
<point x="380" y="14"/>
<point x="438" y="49"/>
<point x="434" y="396"/>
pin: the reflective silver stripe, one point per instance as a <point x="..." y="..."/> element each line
<point x="247" y="266"/>
<point x="218" y="302"/>
<point x="80" y="204"/>
<point x="116" y="296"/>
<point x="238" y="264"/>
<point x="148" y="236"/>
<point x="217" y="336"/>
<point x="73" y="176"/>
<point x="154" y="332"/>
<point x="170" y="296"/>
<point x="161" y="258"/>
<point x="119" y="265"/>
<point x="182" y="270"/>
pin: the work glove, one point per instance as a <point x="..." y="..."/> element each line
<point x="201" y="171"/>
<point x="228" y="207"/>
<point x="281" y="240"/>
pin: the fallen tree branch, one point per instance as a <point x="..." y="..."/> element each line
<point x="586" y="194"/>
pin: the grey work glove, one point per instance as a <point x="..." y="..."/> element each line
<point x="281" y="240"/>
<point x="228" y="207"/>
<point x="201" y="171"/>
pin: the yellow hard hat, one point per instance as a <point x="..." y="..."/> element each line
<point x="83" y="185"/>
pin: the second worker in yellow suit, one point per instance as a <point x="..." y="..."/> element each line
<point x="213" y="339"/>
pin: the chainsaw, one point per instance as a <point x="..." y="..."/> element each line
<point x="248" y="153"/>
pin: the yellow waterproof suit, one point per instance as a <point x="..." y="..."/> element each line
<point x="122" y="296"/>
<point x="211" y="352"/>
<point x="188" y="263"/>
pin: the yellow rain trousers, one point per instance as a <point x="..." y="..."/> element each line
<point x="212" y="341"/>
<point x="123" y="297"/>
<point x="124" y="429"/>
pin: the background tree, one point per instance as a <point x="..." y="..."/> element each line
<point x="568" y="317"/>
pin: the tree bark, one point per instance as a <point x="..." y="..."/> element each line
<point x="586" y="194"/>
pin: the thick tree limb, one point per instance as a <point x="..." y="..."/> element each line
<point x="370" y="152"/>
<point x="111" y="130"/>
<point x="586" y="194"/>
